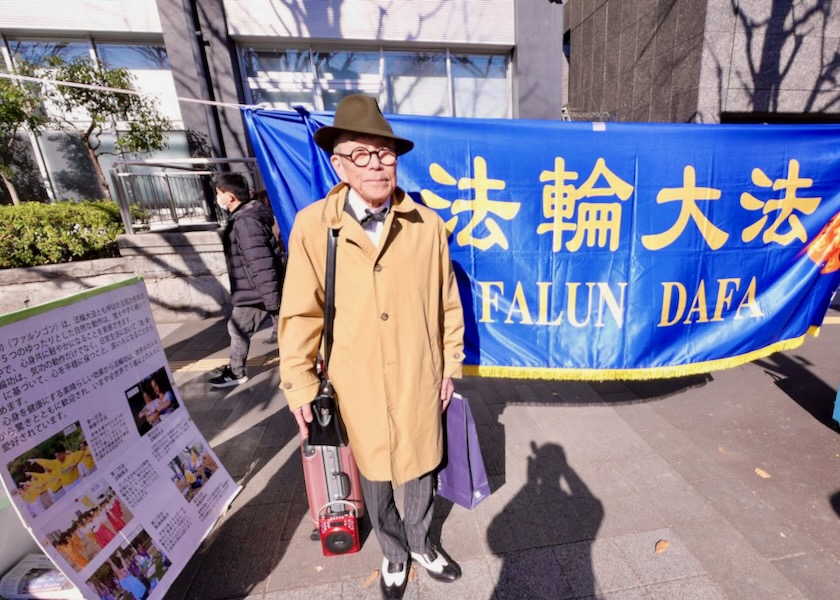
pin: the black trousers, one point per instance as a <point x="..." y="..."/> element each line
<point x="399" y="534"/>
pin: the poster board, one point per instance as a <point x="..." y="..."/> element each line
<point x="98" y="453"/>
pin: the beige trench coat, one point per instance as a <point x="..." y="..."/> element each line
<point x="398" y="330"/>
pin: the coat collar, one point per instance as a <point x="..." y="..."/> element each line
<point x="335" y="217"/>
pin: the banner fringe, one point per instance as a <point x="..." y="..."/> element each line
<point x="641" y="374"/>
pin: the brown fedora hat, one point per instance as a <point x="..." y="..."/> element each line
<point x="359" y="113"/>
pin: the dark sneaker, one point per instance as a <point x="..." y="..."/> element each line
<point x="227" y="379"/>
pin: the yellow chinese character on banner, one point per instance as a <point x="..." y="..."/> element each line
<point x="482" y="207"/>
<point x="688" y="195"/>
<point x="597" y="223"/>
<point x="784" y="207"/>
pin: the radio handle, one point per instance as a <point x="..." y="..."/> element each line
<point x="339" y="502"/>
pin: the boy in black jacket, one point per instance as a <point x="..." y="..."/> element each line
<point x="252" y="253"/>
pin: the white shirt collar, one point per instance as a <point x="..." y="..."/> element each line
<point x="358" y="205"/>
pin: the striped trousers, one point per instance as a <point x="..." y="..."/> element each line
<point x="398" y="534"/>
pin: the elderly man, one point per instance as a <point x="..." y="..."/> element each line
<point x="398" y="334"/>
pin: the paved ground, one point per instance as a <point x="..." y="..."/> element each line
<point x="736" y="475"/>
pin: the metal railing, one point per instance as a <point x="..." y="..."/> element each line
<point x="167" y="194"/>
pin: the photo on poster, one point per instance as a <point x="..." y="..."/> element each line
<point x="191" y="468"/>
<point x="151" y="400"/>
<point x="45" y="473"/>
<point x="82" y="531"/>
<point x="132" y="571"/>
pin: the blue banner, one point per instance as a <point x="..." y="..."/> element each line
<point x="608" y="250"/>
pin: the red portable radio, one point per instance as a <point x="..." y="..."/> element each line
<point x="339" y="530"/>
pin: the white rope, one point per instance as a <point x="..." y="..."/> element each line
<point x="103" y="88"/>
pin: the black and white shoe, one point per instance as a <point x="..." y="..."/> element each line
<point x="438" y="564"/>
<point x="393" y="579"/>
<point x="227" y="378"/>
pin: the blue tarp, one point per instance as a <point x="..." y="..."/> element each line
<point x="607" y="250"/>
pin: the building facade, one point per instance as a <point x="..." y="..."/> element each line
<point x="203" y="59"/>
<point x="705" y="61"/>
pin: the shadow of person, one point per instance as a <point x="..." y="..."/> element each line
<point x="544" y="534"/>
<point x="834" y="499"/>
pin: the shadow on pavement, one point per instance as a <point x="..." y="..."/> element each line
<point x="553" y="508"/>
<point x="792" y="375"/>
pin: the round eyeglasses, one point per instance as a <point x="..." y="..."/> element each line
<point x="361" y="156"/>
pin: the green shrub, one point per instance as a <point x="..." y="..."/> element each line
<point x="34" y="234"/>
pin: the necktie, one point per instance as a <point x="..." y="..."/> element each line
<point x="371" y="217"/>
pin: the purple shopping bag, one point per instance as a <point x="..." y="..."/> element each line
<point x="462" y="479"/>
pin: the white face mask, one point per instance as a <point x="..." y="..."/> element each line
<point x="220" y="203"/>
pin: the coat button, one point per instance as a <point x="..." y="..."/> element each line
<point x="384" y="316"/>
<point x="287" y="386"/>
<point x="457" y="355"/>
<point x="377" y="268"/>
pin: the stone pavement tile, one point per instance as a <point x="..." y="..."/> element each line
<point x="492" y="443"/>
<point x="209" y="422"/>
<point x="520" y="426"/>
<point x="557" y="393"/>
<point x="692" y="462"/>
<point x="271" y="476"/>
<point x="631" y="594"/>
<point x="181" y="586"/>
<point x="642" y="417"/>
<point x="691" y="588"/>
<point x="666" y="491"/>
<point x="476" y="582"/>
<point x="280" y="427"/>
<point x="612" y="432"/>
<point x="653" y="389"/>
<point x="595" y="567"/>
<point x="620" y="515"/>
<point x="816" y="575"/>
<point x="560" y="428"/>
<point x="483" y="413"/>
<point x="604" y="478"/>
<point x="330" y="591"/>
<point x="613" y="391"/>
<point x="300" y="563"/>
<point x="546" y="525"/>
<point x="196" y="339"/>
<point x="531" y="574"/>
<point x="367" y="588"/>
<point x="236" y="453"/>
<point x="230" y="567"/>
<point x="459" y="534"/>
<point x="766" y="529"/>
<point x="676" y="562"/>
<point x="736" y="567"/>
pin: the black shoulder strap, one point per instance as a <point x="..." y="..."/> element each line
<point x="329" y="296"/>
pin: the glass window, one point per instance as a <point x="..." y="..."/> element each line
<point x="480" y="85"/>
<point x="416" y="83"/>
<point x="262" y="63"/>
<point x="331" y="98"/>
<point x="354" y="66"/>
<point x="283" y="99"/>
<point x="133" y="57"/>
<point x="405" y="82"/>
<point x="149" y="64"/>
<point x="37" y="52"/>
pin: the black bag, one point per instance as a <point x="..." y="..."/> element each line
<point x="326" y="428"/>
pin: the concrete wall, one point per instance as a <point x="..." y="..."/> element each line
<point x="690" y="61"/>
<point x="538" y="60"/>
<point x="774" y="59"/>
<point x="638" y="60"/>
<point x="185" y="274"/>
